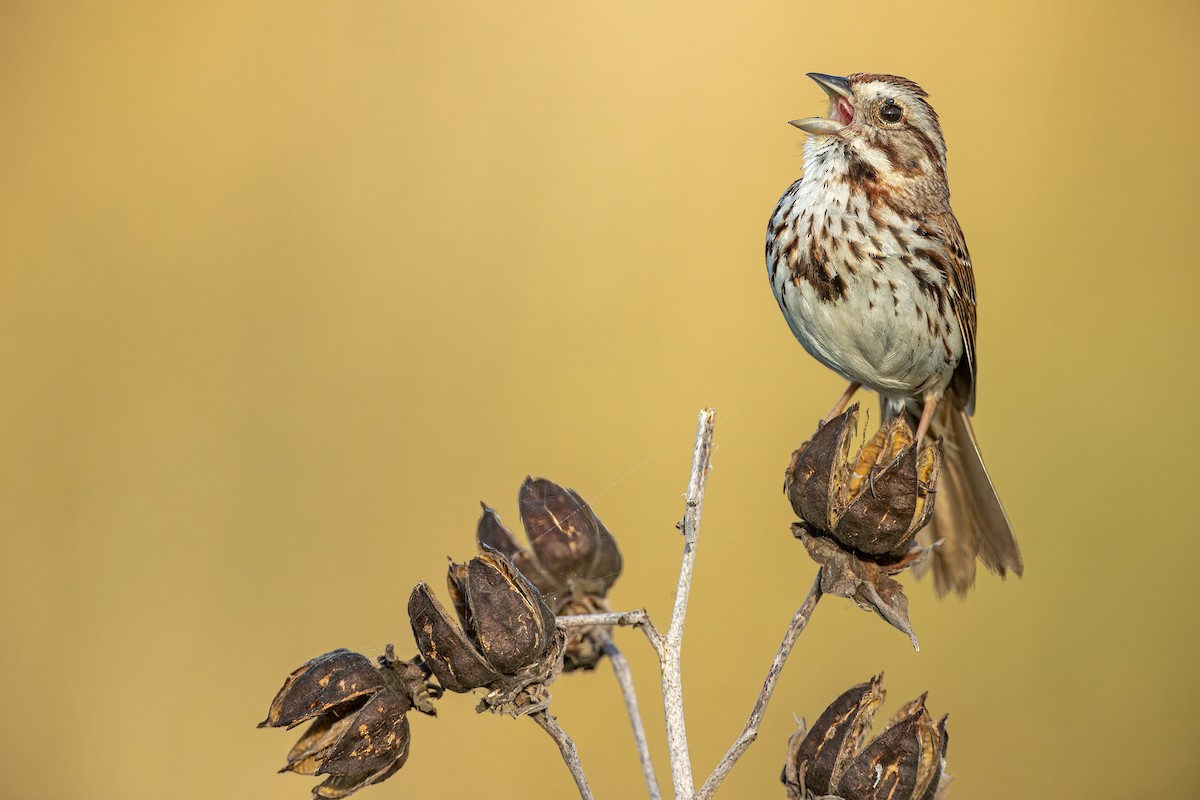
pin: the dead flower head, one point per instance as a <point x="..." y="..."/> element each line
<point x="360" y="733"/>
<point x="873" y="503"/>
<point x="507" y="641"/>
<point x="906" y="761"/>
<point x="861" y="514"/>
<point x="571" y="558"/>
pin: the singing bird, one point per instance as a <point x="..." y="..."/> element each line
<point x="871" y="271"/>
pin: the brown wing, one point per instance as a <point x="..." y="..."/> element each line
<point x="960" y="283"/>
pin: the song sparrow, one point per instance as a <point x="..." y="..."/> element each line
<point x="871" y="271"/>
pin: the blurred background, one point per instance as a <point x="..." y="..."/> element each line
<point x="289" y="287"/>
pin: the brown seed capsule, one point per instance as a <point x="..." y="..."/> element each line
<point x="861" y="514"/>
<point x="571" y="545"/>
<point x="571" y="558"/>
<point x="570" y="551"/>
<point x="818" y="760"/>
<point x="904" y="762"/>
<point x="360" y="734"/>
<point x="507" y="640"/>
<point x="326" y="681"/>
<point x="513" y="626"/>
<point x="446" y="648"/>
<point x="374" y="745"/>
<point x="873" y="503"/>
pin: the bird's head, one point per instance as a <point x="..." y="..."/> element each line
<point x="885" y="118"/>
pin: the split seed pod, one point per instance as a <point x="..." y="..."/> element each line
<point x="571" y="558"/>
<point x="507" y="640"/>
<point x="861" y="514"/>
<point x="904" y="762"/>
<point x="360" y="733"/>
<point x="874" y="502"/>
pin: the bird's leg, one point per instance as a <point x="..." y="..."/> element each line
<point x="931" y="402"/>
<point x="843" y="401"/>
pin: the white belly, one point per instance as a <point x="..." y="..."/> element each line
<point x="883" y="329"/>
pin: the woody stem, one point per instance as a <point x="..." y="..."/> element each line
<point x="567" y="747"/>
<point x="637" y="619"/>
<point x="625" y="679"/>
<point x="672" y="685"/>
<point x="750" y="732"/>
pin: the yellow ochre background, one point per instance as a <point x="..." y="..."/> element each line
<point x="289" y="287"/>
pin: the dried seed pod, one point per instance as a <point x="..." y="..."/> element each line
<point x="861" y="514"/>
<point x="360" y="734"/>
<point x="815" y="478"/>
<point x="571" y="558"/>
<point x="326" y="681"/>
<point x="507" y="640"/>
<point x="873" y="503"/>
<point x="904" y="762"/>
<point x="571" y="545"/>
<point x="373" y="746"/>
<point x="512" y="625"/>
<point x="446" y="648"/>
<point x="817" y="760"/>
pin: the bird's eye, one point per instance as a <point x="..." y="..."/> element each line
<point x="891" y="113"/>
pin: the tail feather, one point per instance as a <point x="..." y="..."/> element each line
<point x="967" y="514"/>
<point x="952" y="529"/>
<point x="968" y="519"/>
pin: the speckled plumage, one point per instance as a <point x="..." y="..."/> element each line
<point x="871" y="271"/>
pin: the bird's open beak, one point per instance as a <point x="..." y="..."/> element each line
<point x="841" y="107"/>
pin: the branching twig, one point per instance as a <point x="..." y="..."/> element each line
<point x="637" y="619"/>
<point x="669" y="647"/>
<point x="625" y="679"/>
<point x="567" y="747"/>
<point x="750" y="732"/>
<point x="681" y="765"/>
